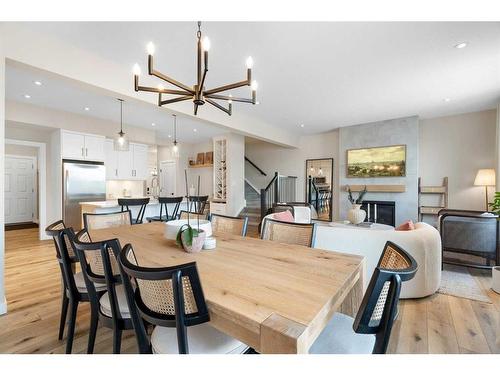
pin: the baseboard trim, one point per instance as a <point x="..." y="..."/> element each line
<point x="3" y="306"/>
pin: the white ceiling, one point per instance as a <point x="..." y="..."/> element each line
<point x="324" y="75"/>
<point x="63" y="94"/>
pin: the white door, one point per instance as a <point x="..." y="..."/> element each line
<point x="168" y="178"/>
<point x="94" y="148"/>
<point x="140" y="161"/>
<point x="73" y="145"/>
<point x="19" y="189"/>
<point x="110" y="160"/>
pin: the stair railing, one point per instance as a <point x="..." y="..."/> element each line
<point x="255" y="166"/>
<point x="279" y="190"/>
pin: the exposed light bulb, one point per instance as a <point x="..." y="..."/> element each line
<point x="161" y="87"/>
<point x="150" y="48"/>
<point x="254" y="86"/>
<point x="121" y="140"/>
<point x="175" y="149"/>
<point x="137" y="70"/>
<point x="230" y="100"/>
<point x="249" y="62"/>
<point x="205" y="43"/>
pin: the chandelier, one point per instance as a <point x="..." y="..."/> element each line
<point x="197" y="93"/>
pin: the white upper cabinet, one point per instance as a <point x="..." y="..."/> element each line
<point x="94" y="147"/>
<point x="140" y="161"/>
<point x="81" y="146"/>
<point x="126" y="165"/>
<point x="73" y="145"/>
<point x="110" y="160"/>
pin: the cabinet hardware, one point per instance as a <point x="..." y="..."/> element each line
<point x="82" y="151"/>
<point x="116" y="172"/>
<point x="86" y="151"/>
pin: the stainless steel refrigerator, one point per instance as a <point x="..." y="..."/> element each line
<point x="82" y="182"/>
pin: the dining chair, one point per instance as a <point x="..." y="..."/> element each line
<point x="371" y="330"/>
<point x="125" y="203"/>
<point x="287" y="232"/>
<point x="106" y="220"/>
<point x="74" y="288"/>
<point x="192" y="215"/>
<point x="198" y="202"/>
<point x="164" y="202"/>
<point x="229" y="224"/>
<point x="172" y="299"/>
<point x="98" y="261"/>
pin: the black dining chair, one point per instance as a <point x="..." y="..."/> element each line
<point x="172" y="299"/>
<point x="74" y="287"/>
<point x="126" y="203"/>
<point x="98" y="261"/>
<point x="164" y="202"/>
<point x="371" y="330"/>
<point x="197" y="203"/>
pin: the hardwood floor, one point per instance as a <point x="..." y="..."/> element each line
<point x="436" y="324"/>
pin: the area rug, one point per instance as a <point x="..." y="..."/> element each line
<point x="457" y="281"/>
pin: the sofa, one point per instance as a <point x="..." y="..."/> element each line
<point x="423" y="243"/>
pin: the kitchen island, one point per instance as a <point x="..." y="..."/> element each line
<point x="107" y="206"/>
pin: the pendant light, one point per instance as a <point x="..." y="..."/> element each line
<point x="121" y="142"/>
<point x="175" y="148"/>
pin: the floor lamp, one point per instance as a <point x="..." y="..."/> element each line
<point x="485" y="177"/>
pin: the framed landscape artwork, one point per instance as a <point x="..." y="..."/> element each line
<point x="386" y="161"/>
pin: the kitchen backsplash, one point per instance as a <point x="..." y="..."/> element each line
<point x="116" y="189"/>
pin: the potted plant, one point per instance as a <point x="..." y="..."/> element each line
<point x="189" y="238"/>
<point x="356" y="215"/>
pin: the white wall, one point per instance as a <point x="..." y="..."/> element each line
<point x="32" y="114"/>
<point x="456" y="147"/>
<point x="3" y="302"/>
<point x="292" y="161"/>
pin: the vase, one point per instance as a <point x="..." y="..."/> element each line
<point x="196" y="244"/>
<point x="356" y="215"/>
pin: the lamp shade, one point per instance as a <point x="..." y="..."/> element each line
<point x="485" y="177"/>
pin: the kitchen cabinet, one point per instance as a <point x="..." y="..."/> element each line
<point x="126" y="165"/>
<point x="81" y="146"/>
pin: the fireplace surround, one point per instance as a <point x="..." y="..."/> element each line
<point x="381" y="212"/>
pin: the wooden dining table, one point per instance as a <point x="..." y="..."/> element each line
<point x="276" y="298"/>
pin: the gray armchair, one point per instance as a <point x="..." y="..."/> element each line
<point x="472" y="233"/>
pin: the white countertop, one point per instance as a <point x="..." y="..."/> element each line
<point x="113" y="203"/>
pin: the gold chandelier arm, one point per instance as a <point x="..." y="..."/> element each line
<point x="218" y="106"/>
<point x="225" y="97"/>
<point x="227" y="87"/>
<point x="175" y="100"/>
<point x="162" y="91"/>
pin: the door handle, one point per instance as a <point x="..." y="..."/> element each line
<point x="82" y="151"/>
<point x="86" y="151"/>
<point x="66" y="188"/>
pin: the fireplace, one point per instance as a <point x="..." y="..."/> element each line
<point x="382" y="212"/>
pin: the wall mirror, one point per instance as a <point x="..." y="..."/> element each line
<point x="319" y="187"/>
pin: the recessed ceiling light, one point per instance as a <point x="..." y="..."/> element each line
<point x="153" y="124"/>
<point x="461" y="45"/>
<point x="38" y="83"/>
<point x="257" y="103"/>
<point x="447" y="100"/>
<point x="302" y="125"/>
<point x="169" y="136"/>
<point x="87" y="108"/>
<point x="27" y="96"/>
<point x="195" y="130"/>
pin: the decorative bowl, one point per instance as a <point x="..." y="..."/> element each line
<point x="172" y="227"/>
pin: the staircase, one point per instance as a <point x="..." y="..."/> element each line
<point x="252" y="210"/>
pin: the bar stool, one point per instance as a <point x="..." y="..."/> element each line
<point x="164" y="202"/>
<point x="125" y="203"/>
